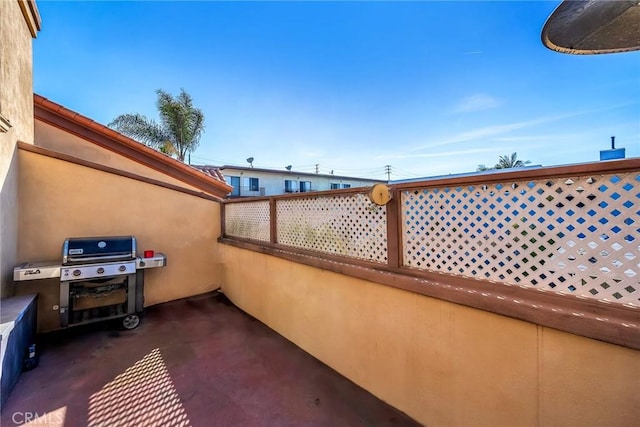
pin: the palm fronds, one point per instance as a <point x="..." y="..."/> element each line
<point x="505" y="162"/>
<point x="140" y="128"/>
<point x="180" y="128"/>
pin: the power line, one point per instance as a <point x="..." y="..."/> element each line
<point x="407" y="173"/>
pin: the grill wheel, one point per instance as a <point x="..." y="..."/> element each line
<point x="131" y="321"/>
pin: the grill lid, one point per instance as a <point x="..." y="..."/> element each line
<point x="79" y="250"/>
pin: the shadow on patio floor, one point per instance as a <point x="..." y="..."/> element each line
<point x="199" y="362"/>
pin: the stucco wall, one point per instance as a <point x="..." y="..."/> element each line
<point x="16" y="75"/>
<point x="60" y="199"/>
<point x="16" y="105"/>
<point x="8" y="214"/>
<point x="52" y="138"/>
<point x="441" y="363"/>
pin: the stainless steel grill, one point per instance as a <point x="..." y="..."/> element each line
<point x="100" y="278"/>
<point x="83" y="250"/>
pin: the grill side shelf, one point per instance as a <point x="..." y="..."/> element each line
<point x="158" y="260"/>
<point x="36" y="270"/>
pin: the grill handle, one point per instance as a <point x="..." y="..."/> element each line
<point x="70" y="259"/>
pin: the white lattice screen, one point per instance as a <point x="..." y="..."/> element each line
<point x="342" y="225"/>
<point x="250" y="220"/>
<point x="579" y="235"/>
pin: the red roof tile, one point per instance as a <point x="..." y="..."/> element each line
<point x="210" y="170"/>
<point x="82" y="126"/>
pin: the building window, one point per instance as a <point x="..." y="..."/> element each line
<point x="346" y="185"/>
<point x="305" y="186"/>
<point x="254" y="184"/>
<point x="289" y="186"/>
<point x="335" y="186"/>
<point x="234" y="181"/>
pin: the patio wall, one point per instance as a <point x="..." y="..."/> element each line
<point x="62" y="197"/>
<point x="508" y="298"/>
<point x="443" y="364"/>
<point x="554" y="246"/>
<point x="18" y="22"/>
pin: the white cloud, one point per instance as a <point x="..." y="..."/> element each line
<point x="435" y="154"/>
<point x="478" y="102"/>
<point x="494" y="131"/>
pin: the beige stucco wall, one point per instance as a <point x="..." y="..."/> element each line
<point x="16" y="105"/>
<point x="60" y="199"/>
<point x="16" y="75"/>
<point x="55" y="139"/>
<point x="441" y="363"/>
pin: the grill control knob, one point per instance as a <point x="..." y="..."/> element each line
<point x="100" y="270"/>
<point x="122" y="268"/>
<point x="77" y="273"/>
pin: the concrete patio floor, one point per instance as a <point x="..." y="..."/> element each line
<point x="199" y="362"/>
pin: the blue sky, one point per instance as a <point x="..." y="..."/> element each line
<point x="429" y="88"/>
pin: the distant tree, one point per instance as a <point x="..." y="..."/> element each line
<point x="505" y="162"/>
<point x="177" y="134"/>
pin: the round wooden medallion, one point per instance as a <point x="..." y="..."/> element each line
<point x="380" y="194"/>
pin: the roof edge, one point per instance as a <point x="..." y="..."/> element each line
<point x="244" y="168"/>
<point x="107" y="169"/>
<point x="31" y="16"/>
<point x="70" y="121"/>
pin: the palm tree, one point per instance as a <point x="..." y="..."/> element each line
<point x="178" y="133"/>
<point x="508" y="162"/>
<point x="505" y="162"/>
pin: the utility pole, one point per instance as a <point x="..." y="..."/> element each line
<point x="317" y="168"/>
<point x="387" y="170"/>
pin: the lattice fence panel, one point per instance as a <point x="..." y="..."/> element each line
<point x="579" y="235"/>
<point x="250" y="220"/>
<point x="341" y="225"/>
